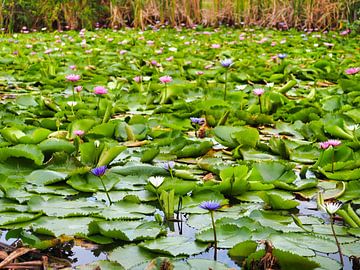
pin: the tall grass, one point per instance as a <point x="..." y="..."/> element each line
<point x="85" y="13"/>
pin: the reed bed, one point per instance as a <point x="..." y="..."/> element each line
<point x="76" y="14"/>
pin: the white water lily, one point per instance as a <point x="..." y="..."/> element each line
<point x="72" y="103"/>
<point x="332" y="207"/>
<point x="156" y="181"/>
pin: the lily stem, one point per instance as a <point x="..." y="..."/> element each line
<point x="225" y="85"/>
<point x="260" y="104"/>
<point x="215" y="239"/>
<point x="336" y="240"/>
<point x="332" y="160"/>
<point x="106" y="191"/>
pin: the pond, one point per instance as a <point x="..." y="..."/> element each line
<point x="109" y="138"/>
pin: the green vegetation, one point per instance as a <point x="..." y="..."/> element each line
<point x="122" y="135"/>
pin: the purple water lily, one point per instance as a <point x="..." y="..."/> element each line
<point x="196" y="120"/>
<point x="99" y="171"/>
<point x="210" y="205"/>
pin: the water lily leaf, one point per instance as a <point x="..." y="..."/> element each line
<point x="352" y="191"/>
<point x="92" y="183"/>
<point x="149" y="154"/>
<point x="174" y="246"/>
<point x="102" y="130"/>
<point x="234" y="180"/>
<point x="270" y="219"/>
<point x="26" y="101"/>
<point x="109" y="153"/>
<point x="130" y="230"/>
<point x="227" y="235"/>
<point x="200" y="264"/>
<point x="303" y="244"/>
<point x="345" y="175"/>
<point x="246" y="137"/>
<point x="53" y="226"/>
<point x="45" y="177"/>
<point x="56" y="145"/>
<point x="223" y="134"/>
<point x="7" y="218"/>
<point x="130" y="256"/>
<point x="351" y="249"/>
<point x="297" y="185"/>
<point x="277" y="202"/>
<point x="254" y="155"/>
<point x="270" y="172"/>
<point x="28" y="151"/>
<point x="338" y="129"/>
<point x="32" y="136"/>
<point x="141" y="195"/>
<point x="62" y="190"/>
<point x="291" y="261"/>
<point x="243" y="249"/>
<point x="139" y="169"/>
<point x="103" y="265"/>
<point x="11" y="206"/>
<point x="82" y="124"/>
<point x="126" y="210"/>
<point x="57" y="207"/>
<point x="326" y="263"/>
<point x="194" y="149"/>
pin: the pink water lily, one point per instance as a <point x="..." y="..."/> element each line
<point x="100" y="90"/>
<point x="352" y="71"/>
<point x="258" y="91"/>
<point x="328" y="143"/>
<point x="165" y="79"/>
<point x="73" y="77"/>
<point x="78" y="88"/>
<point x="79" y="132"/>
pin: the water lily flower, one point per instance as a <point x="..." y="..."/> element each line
<point x="327" y="44"/>
<point x="137" y="79"/>
<point x="345" y="32"/>
<point x="352" y="71"/>
<point x="199" y="73"/>
<point x="154" y="63"/>
<point x="156" y="181"/>
<point x="215" y="46"/>
<point x="324" y="145"/>
<point x="226" y="63"/>
<point x="169" y="165"/>
<point x="78" y="88"/>
<point x="99" y="171"/>
<point x="100" y="90"/>
<point x="210" y="205"/>
<point x="72" y="103"/>
<point x="72" y="67"/>
<point x="282" y="55"/>
<point x="199" y="121"/>
<point x="79" y="132"/>
<point x="73" y="77"/>
<point x="328" y="143"/>
<point x="258" y="91"/>
<point x="170" y="58"/>
<point x="165" y="79"/>
<point x="332" y="207"/>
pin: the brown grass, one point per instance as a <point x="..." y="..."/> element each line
<point x="139" y="13"/>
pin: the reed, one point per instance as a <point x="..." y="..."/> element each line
<point x="85" y="13"/>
